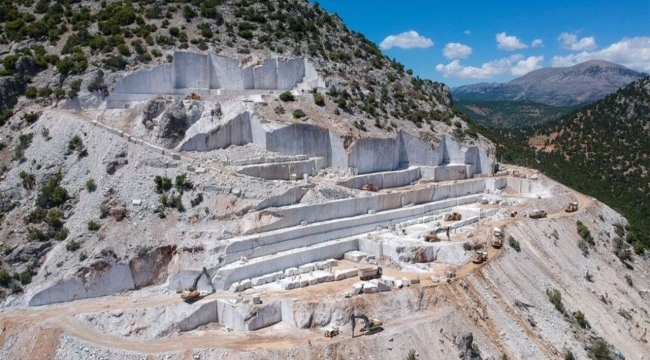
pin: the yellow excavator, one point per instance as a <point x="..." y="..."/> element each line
<point x="370" y="326"/>
<point x="190" y="294"/>
<point x="572" y="207"/>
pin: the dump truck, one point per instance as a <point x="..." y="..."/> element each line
<point x="370" y="326"/>
<point x="479" y="257"/>
<point x="497" y="237"/>
<point x="370" y="272"/>
<point x="537" y="214"/>
<point x="572" y="207"/>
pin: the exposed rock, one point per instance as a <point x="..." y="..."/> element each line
<point x="27" y="66"/>
<point x="152" y="110"/>
<point x="173" y="124"/>
<point x="8" y="200"/>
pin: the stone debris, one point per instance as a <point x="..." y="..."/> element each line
<point x="356" y="256"/>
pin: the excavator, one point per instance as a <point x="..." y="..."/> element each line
<point x="371" y="326"/>
<point x="190" y="294"/>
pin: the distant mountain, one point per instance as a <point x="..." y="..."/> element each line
<point x="557" y="86"/>
<point x="510" y="114"/>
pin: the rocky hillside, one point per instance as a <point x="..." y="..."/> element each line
<point x="66" y="186"/>
<point x="52" y="52"/>
<point x="601" y="149"/>
<point x="556" y="86"/>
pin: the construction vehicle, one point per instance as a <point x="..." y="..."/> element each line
<point x="369" y="187"/>
<point x="537" y="214"/>
<point x="572" y="207"/>
<point x="370" y="272"/>
<point x="450" y="274"/>
<point x="331" y="332"/>
<point x="190" y="294"/>
<point x="454" y="217"/>
<point x="497" y="237"/>
<point x="432" y="237"/>
<point x="370" y="326"/>
<point x="479" y="257"/>
<point x="193" y="96"/>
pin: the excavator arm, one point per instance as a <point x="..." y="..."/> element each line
<point x="353" y="319"/>
<point x="196" y="281"/>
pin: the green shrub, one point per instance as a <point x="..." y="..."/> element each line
<point x="628" y="280"/>
<point x="72" y="246"/>
<point x="36" y="234"/>
<point x="93" y="226"/>
<point x="581" y="319"/>
<point x="162" y="184"/>
<point x="599" y="350"/>
<point x="31" y="117"/>
<point x="76" y="144"/>
<point x="5" y="115"/>
<point x="584" y="233"/>
<point x="52" y="194"/>
<point x="555" y="297"/>
<point x="287" y="96"/>
<point x="90" y="185"/>
<point x="411" y="355"/>
<point x="5" y="278"/>
<point x="31" y="92"/>
<point x="619" y="230"/>
<point x="62" y="234"/>
<point x="27" y="180"/>
<point x="514" y="244"/>
<point x="319" y="99"/>
<point x="9" y="62"/>
<point x="568" y="355"/>
<point x="83" y="256"/>
<point x="35" y="216"/>
<point x="182" y="183"/>
<point x="25" y="277"/>
<point x="174" y="31"/>
<point x="298" y="113"/>
<point x="115" y="62"/>
<point x="24" y="141"/>
<point x="197" y="200"/>
<point x="621" y="249"/>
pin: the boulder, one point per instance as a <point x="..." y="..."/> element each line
<point x="173" y="124"/>
<point x="152" y="110"/>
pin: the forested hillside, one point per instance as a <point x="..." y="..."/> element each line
<point x="602" y="150"/>
<point x="510" y="114"/>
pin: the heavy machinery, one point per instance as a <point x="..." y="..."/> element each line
<point x="432" y="237"/>
<point x="497" y="237"/>
<point x="479" y="257"/>
<point x="331" y="331"/>
<point x="454" y="217"/>
<point x="369" y="187"/>
<point x="572" y="207"/>
<point x="370" y="326"/>
<point x="190" y="294"/>
<point x="537" y="214"/>
<point x="370" y="272"/>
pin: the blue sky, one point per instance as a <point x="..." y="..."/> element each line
<point x="484" y="41"/>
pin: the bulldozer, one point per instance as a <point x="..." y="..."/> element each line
<point x="190" y="294"/>
<point x="370" y="326"/>
<point x="497" y="237"/>
<point x="479" y="257"/>
<point x="537" y="214"/>
<point x="369" y="187"/>
<point x="572" y="207"/>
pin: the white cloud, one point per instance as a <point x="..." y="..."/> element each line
<point x="633" y="53"/>
<point x="515" y="65"/>
<point x="509" y="42"/>
<point x="406" y="40"/>
<point x="456" y="51"/>
<point x="467" y="32"/>
<point x="537" y="43"/>
<point x="571" y="42"/>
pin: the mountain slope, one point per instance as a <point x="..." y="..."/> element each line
<point x="557" y="86"/>
<point x="601" y="149"/>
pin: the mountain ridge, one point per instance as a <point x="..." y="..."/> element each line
<point x="557" y="86"/>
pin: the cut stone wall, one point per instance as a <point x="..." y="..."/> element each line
<point x="384" y="180"/>
<point x="196" y="72"/>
